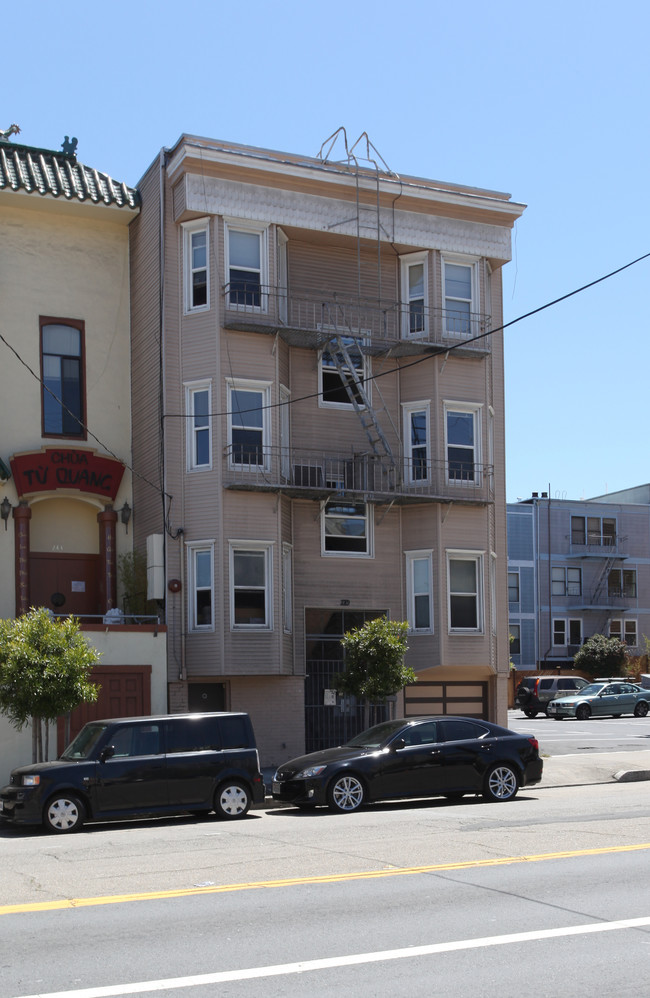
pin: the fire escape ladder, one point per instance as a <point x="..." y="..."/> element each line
<point x="358" y="396"/>
<point x="603" y="577"/>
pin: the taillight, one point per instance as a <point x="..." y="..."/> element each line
<point x="534" y="743"/>
<point x="536" y="685"/>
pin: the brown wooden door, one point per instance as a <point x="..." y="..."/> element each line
<point x="125" y="692"/>
<point x="65" y="583"/>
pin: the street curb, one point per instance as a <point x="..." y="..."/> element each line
<point x="632" y="775"/>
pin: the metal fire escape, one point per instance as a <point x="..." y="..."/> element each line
<point x="336" y="345"/>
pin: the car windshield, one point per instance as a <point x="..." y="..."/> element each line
<point x="592" y="690"/>
<point x="377" y="736"/>
<point x="82" y="746"/>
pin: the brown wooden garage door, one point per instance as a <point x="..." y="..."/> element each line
<point x="469" y="699"/>
<point x="125" y="692"/>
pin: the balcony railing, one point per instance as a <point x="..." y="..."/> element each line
<point x="327" y="474"/>
<point x="607" y="546"/>
<point x="382" y="325"/>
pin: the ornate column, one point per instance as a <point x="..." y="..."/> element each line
<point x="22" y="514"/>
<point x="107" y="559"/>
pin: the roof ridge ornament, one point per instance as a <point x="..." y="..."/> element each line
<point x="8" y="132"/>
<point x="69" y="146"/>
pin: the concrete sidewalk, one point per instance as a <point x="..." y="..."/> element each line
<point x="577" y="770"/>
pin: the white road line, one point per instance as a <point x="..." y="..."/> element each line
<point x="332" y="963"/>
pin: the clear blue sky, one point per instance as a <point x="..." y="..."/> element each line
<point x="547" y="102"/>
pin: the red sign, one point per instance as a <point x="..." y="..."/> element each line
<point x="66" y="468"/>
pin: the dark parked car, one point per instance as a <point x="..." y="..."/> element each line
<point x="414" y="757"/>
<point x="135" y="766"/>
<point x="534" y="693"/>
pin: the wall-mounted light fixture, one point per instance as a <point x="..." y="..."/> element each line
<point x="125" y="515"/>
<point x="5" y="510"/>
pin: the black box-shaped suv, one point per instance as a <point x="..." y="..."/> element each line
<point x="135" y="766"/>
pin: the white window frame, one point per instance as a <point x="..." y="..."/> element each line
<point x="189" y="230"/>
<point x="264" y="548"/>
<point x="406" y="262"/>
<point x="364" y="373"/>
<point x="566" y="627"/>
<point x="264" y="388"/>
<point x="558" y="644"/>
<point x="622" y="631"/>
<point x="262" y="231"/>
<point x="477" y="557"/>
<point x="460" y="261"/>
<point x="287" y="588"/>
<point x="368" y="517"/>
<point x="192" y="389"/>
<point x="412" y="592"/>
<point x="475" y="410"/>
<point x="563" y="586"/>
<point x="408" y="410"/>
<point x="193" y="549"/>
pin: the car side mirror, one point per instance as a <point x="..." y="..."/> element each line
<point x="107" y="753"/>
<point x="397" y="744"/>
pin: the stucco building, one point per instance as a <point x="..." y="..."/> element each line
<point x="317" y="372"/>
<point x="65" y="442"/>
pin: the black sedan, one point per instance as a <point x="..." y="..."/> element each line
<point x="413" y="757"/>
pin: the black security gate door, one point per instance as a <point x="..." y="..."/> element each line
<point x="328" y="724"/>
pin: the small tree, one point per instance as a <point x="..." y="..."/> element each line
<point x="601" y="656"/>
<point x="374" y="661"/>
<point x="44" y="671"/>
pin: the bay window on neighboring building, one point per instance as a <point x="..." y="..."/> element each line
<point x="201" y="586"/>
<point x="251" y="603"/>
<point x="196" y="270"/>
<point x="464" y="585"/>
<point x="346" y="529"/>
<point x="419" y="591"/>
<point x="62" y="369"/>
<point x="199" y="429"/>
<point x="249" y="423"/>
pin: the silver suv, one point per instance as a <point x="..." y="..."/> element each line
<point x="534" y="693"/>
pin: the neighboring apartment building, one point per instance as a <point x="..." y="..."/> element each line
<point x="577" y="568"/>
<point x="320" y="398"/>
<point x="65" y="441"/>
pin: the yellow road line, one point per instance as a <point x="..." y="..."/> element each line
<point x="332" y="878"/>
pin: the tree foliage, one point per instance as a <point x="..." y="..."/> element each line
<point x="374" y="660"/>
<point x="601" y="656"/>
<point x="44" y="668"/>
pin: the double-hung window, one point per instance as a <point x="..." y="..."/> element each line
<point x="62" y="366"/>
<point x="197" y="291"/>
<point x="419" y="591"/>
<point x="625" y="630"/>
<point x="340" y="372"/>
<point x="622" y="582"/>
<point x="346" y="529"/>
<point x="513" y="587"/>
<point x="414" y="295"/>
<point x="251" y="602"/>
<point x="567" y="632"/>
<point x="197" y="408"/>
<point x="464" y="575"/>
<point x="515" y="639"/>
<point x="416" y="442"/>
<point x="459" y="281"/>
<point x="246" y="266"/>
<point x="566" y="581"/>
<point x="462" y="442"/>
<point x="249" y="429"/>
<point x="201" y="586"/>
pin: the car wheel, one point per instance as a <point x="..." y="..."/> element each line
<point x="345" y="793"/>
<point x="501" y="783"/>
<point x="232" y="800"/>
<point x="64" y="813"/>
<point x="529" y="712"/>
<point x="583" y="713"/>
<point x="641" y="709"/>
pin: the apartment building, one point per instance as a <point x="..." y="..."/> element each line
<point x="577" y="568"/>
<point x="317" y="374"/>
<point x="65" y="443"/>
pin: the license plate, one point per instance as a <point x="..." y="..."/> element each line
<point x="276" y="787"/>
